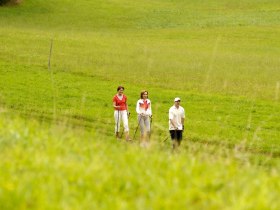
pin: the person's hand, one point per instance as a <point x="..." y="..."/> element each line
<point x="128" y="113"/>
<point x="183" y="128"/>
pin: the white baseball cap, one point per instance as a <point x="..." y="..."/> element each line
<point x="177" y="99"/>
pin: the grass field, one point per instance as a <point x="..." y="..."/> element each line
<point x="57" y="145"/>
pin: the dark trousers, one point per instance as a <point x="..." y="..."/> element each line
<point x="176" y="134"/>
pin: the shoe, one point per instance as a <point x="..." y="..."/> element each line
<point x="128" y="139"/>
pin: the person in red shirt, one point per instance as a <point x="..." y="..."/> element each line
<point x="121" y="113"/>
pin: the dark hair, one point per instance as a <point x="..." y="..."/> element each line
<point x="120" y="87"/>
<point x="142" y="93"/>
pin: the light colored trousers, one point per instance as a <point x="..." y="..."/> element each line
<point x="121" y="115"/>
<point x="144" y="123"/>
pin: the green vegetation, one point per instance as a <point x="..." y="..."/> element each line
<point x="56" y="123"/>
<point x="54" y="167"/>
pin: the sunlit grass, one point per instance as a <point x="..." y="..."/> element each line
<point x="53" y="167"/>
<point x="57" y="146"/>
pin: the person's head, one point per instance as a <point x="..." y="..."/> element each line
<point x="177" y="101"/>
<point x="144" y="94"/>
<point x="120" y="89"/>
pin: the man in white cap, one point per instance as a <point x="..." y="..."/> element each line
<point x="176" y="123"/>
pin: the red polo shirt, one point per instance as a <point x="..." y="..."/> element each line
<point x="120" y="102"/>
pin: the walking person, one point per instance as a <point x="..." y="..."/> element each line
<point x="144" y="112"/>
<point x="176" y="123"/>
<point x="121" y="113"/>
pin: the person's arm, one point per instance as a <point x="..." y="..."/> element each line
<point x="115" y="104"/>
<point x="172" y="121"/>
<point x="137" y="107"/>
<point x="126" y="107"/>
<point x="183" y="119"/>
<point x="173" y="124"/>
<point x="149" y="110"/>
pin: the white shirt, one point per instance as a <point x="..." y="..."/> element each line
<point x="141" y="109"/>
<point x="176" y="115"/>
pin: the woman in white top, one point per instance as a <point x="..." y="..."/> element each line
<point x="144" y="111"/>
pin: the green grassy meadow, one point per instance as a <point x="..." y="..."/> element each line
<point x="57" y="145"/>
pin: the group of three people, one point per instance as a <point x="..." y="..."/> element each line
<point x="144" y="112"/>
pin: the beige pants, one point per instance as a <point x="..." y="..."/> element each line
<point x="144" y="123"/>
<point x="121" y="116"/>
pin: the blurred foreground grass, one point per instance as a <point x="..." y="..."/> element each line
<point x="57" y="148"/>
<point x="47" y="166"/>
